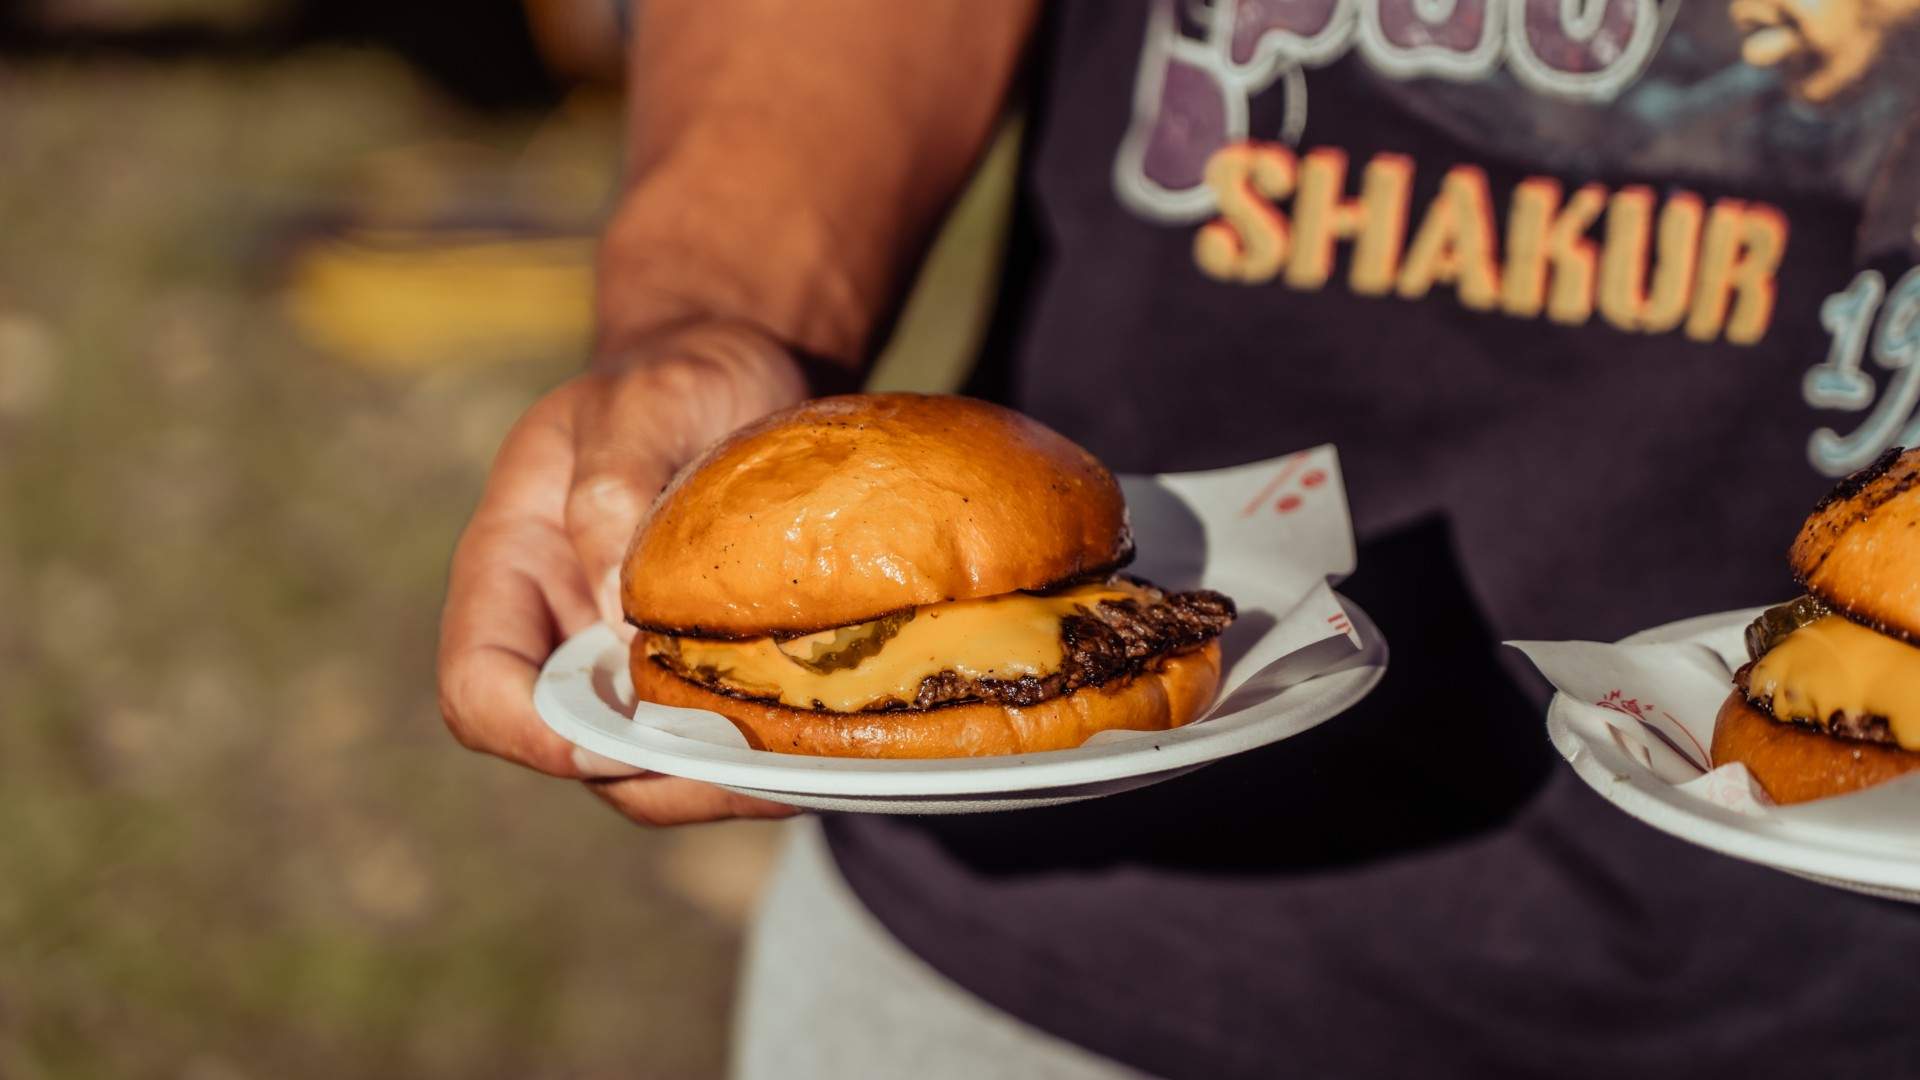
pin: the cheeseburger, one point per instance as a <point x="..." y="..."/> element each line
<point x="1829" y="701"/>
<point x="895" y="575"/>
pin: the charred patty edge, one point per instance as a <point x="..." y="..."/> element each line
<point x="1112" y="641"/>
<point x="1848" y="727"/>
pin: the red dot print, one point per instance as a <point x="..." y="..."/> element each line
<point x="1313" y="479"/>
<point x="1287" y="504"/>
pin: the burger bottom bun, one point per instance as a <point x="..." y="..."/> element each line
<point x="1795" y="764"/>
<point x="1174" y="694"/>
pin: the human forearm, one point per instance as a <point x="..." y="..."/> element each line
<point x="783" y="174"/>
<point x="786" y="161"/>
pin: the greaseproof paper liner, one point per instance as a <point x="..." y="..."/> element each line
<point x="1272" y="535"/>
<point x="1658" y="702"/>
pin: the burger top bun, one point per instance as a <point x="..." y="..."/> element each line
<point x="1860" y="550"/>
<point x="846" y="508"/>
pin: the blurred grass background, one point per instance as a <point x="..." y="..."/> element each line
<point x="273" y="285"/>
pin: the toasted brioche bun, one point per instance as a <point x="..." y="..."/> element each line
<point x="846" y="508"/>
<point x="1174" y="694"/>
<point x="1795" y="764"/>
<point x="1858" y="550"/>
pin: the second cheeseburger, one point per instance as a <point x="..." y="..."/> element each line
<point x="1830" y="702"/>
<point x="905" y="576"/>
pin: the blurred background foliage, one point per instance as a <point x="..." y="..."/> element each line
<point x="276" y="278"/>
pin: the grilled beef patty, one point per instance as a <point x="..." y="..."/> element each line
<point x="1113" y="639"/>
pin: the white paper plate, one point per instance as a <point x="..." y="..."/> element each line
<point x="1876" y="862"/>
<point x="586" y="694"/>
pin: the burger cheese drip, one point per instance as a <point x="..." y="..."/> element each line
<point x="1002" y="638"/>
<point x="1834" y="667"/>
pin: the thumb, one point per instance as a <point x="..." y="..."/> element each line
<point x="620" y="464"/>
<point x="639" y="424"/>
<point x="603" y="510"/>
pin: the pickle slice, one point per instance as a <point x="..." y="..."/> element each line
<point x="1776" y="623"/>
<point x="843" y="647"/>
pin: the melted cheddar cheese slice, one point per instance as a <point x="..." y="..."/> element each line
<point x="1835" y="665"/>
<point x="1000" y="637"/>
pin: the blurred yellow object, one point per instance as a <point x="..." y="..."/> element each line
<point x="402" y="301"/>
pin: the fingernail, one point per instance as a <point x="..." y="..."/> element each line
<point x="600" y="766"/>
<point x="608" y="597"/>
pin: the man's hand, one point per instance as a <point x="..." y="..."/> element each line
<point x="540" y="559"/>
<point x="786" y="163"/>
